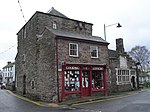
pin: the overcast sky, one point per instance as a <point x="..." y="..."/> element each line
<point x="133" y="15"/>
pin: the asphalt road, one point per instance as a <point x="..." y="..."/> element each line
<point x="10" y="103"/>
<point x="136" y="102"/>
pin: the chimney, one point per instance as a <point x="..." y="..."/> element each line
<point x="119" y="45"/>
<point x="8" y="62"/>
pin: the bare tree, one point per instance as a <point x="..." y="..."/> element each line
<point x="141" y="55"/>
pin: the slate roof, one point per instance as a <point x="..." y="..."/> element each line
<point x="52" y="11"/>
<point x="66" y="34"/>
<point x="9" y="65"/>
<point x="112" y="53"/>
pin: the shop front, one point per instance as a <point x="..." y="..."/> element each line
<point x="83" y="79"/>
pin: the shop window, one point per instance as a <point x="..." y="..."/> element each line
<point x="72" y="80"/>
<point x="94" y="51"/>
<point x="73" y="49"/>
<point x="97" y="80"/>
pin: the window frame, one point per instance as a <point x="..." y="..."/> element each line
<point x="77" y="49"/>
<point x="71" y="81"/>
<point x="91" y="50"/>
<point x="32" y="84"/>
<point x="54" y="25"/>
<point x="123" y="76"/>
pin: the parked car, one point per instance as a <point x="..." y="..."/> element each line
<point x="3" y="86"/>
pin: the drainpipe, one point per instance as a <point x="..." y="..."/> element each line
<point x="57" y="70"/>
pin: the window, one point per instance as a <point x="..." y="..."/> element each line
<point x="23" y="58"/>
<point x="94" y="51"/>
<point x="54" y="25"/>
<point x="133" y="72"/>
<point x="72" y="80"/>
<point x="123" y="76"/>
<point x="32" y="84"/>
<point x="73" y="49"/>
<point x="97" y="80"/>
<point x="24" y="33"/>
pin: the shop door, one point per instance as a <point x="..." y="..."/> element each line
<point x="85" y="83"/>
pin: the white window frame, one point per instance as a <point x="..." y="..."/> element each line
<point x="124" y="74"/>
<point x="73" y="49"/>
<point x="54" y="25"/>
<point x="91" y="49"/>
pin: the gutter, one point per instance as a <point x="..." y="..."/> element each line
<point x="57" y="70"/>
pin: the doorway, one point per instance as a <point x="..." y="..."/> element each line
<point x="85" y="83"/>
<point x="24" y="84"/>
<point x="133" y="82"/>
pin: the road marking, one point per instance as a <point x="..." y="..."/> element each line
<point x="102" y="100"/>
<point x="56" y="105"/>
<point x="34" y="102"/>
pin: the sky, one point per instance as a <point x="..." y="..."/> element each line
<point x="133" y="15"/>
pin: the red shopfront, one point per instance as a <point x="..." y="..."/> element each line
<point x="83" y="79"/>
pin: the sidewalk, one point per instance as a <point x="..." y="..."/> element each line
<point x="91" y="99"/>
<point x="84" y="100"/>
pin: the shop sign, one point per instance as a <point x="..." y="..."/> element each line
<point x="86" y="68"/>
<point x="72" y="68"/>
<point x="97" y="68"/>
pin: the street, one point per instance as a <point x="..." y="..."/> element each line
<point x="9" y="103"/>
<point x="137" y="102"/>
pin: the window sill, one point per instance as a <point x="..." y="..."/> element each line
<point x="94" y="57"/>
<point x="73" y="56"/>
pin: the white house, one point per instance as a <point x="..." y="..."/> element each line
<point x="1" y="78"/>
<point x="8" y="73"/>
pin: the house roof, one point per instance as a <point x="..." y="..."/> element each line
<point x="53" y="11"/>
<point x="9" y="65"/>
<point x="74" y="35"/>
<point x="112" y="53"/>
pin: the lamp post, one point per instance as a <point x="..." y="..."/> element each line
<point x="118" y="26"/>
<point x="137" y="74"/>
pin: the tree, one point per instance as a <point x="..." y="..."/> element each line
<point x="141" y="55"/>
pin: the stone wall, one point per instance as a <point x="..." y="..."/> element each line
<point x="66" y="24"/>
<point x="120" y="60"/>
<point x="84" y="55"/>
<point x="25" y="59"/>
<point x="36" y="59"/>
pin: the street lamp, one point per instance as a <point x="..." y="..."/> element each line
<point x="118" y="26"/>
<point x="137" y="74"/>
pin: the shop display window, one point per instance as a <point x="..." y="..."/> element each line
<point x="97" y="80"/>
<point x="72" y="82"/>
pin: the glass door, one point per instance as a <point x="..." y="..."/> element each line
<point x="85" y="83"/>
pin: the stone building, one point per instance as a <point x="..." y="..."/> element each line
<point x="122" y="69"/>
<point x="58" y="58"/>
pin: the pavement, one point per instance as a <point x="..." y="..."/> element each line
<point x="80" y="101"/>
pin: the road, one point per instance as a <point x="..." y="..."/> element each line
<point x="137" y="102"/>
<point x="10" y="103"/>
